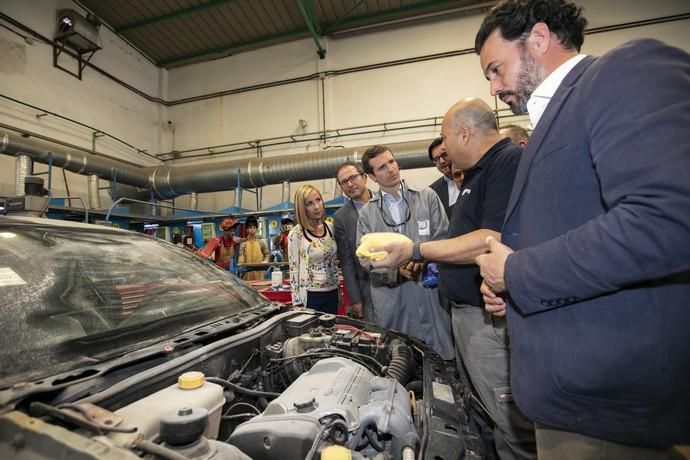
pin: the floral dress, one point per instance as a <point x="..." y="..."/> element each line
<point x="312" y="260"/>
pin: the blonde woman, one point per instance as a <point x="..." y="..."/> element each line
<point x="312" y="254"/>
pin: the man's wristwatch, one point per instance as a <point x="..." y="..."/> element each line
<point x="416" y="252"/>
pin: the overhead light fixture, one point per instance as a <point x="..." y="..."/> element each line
<point x="65" y="24"/>
<point x="77" y="33"/>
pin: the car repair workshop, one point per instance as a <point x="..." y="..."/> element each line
<point x="345" y="229"/>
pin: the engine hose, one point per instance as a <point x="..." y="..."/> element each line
<point x="400" y="366"/>
<point x="338" y="432"/>
<point x="415" y="385"/>
<point x="375" y="442"/>
<point x="246" y="391"/>
<point x="157" y="450"/>
<point x="317" y="441"/>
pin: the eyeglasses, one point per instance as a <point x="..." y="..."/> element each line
<point x="352" y="179"/>
<point x="443" y="156"/>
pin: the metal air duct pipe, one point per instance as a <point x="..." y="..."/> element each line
<point x="193" y="200"/>
<point x="238" y="198"/>
<point x="94" y="192"/>
<point x="75" y="160"/>
<point x="22" y="167"/>
<point x="171" y="181"/>
<point x="286" y="191"/>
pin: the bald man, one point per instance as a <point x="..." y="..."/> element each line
<point x="470" y="135"/>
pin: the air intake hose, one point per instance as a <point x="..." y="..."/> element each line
<point x="400" y="367"/>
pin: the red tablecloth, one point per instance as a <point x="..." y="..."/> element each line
<point x="283" y="295"/>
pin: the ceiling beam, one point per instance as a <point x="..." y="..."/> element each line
<point x="343" y="17"/>
<point x="237" y="47"/>
<point x="172" y="15"/>
<point x="382" y="15"/>
<point x="306" y="9"/>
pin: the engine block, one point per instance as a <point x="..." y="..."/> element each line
<point x="337" y="400"/>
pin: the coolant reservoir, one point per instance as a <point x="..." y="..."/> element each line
<point x="191" y="390"/>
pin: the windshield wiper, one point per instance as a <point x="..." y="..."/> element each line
<point x="122" y="334"/>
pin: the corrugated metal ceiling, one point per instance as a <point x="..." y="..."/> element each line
<point x="180" y="32"/>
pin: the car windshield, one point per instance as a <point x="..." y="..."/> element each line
<point x="81" y="294"/>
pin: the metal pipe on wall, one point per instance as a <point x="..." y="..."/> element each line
<point x="238" y="198"/>
<point x="22" y="168"/>
<point x="172" y="181"/>
<point x="286" y="191"/>
<point x="75" y="160"/>
<point x="94" y="192"/>
<point x="193" y="200"/>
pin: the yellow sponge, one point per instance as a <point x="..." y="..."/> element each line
<point x="376" y="240"/>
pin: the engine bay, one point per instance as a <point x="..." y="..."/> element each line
<point x="291" y="385"/>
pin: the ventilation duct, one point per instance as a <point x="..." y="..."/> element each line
<point x="94" y="192"/>
<point x="171" y="181"/>
<point x="238" y="198"/>
<point x="286" y="191"/>
<point x="76" y="161"/>
<point x="22" y="168"/>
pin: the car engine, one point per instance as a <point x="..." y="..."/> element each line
<point x="292" y="385"/>
<point x="337" y="399"/>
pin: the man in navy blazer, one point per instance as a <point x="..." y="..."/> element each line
<point x="595" y="252"/>
<point x="445" y="186"/>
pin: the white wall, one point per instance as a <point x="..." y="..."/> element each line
<point x="27" y="74"/>
<point x="402" y="92"/>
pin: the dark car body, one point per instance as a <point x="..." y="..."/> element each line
<point x="102" y="327"/>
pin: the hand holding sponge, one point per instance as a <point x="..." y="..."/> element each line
<point x="378" y="240"/>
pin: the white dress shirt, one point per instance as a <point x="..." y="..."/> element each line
<point x="395" y="206"/>
<point x="453" y="191"/>
<point x="542" y="95"/>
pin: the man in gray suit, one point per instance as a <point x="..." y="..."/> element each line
<point x="404" y="303"/>
<point x="353" y="182"/>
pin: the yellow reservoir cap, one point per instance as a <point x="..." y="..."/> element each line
<point x="336" y="453"/>
<point x="191" y="380"/>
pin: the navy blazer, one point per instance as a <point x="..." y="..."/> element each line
<point x="600" y="284"/>
<point x="441" y="188"/>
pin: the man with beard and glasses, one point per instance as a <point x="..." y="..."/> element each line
<point x="402" y="302"/>
<point x="593" y="270"/>
<point x="444" y="186"/>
